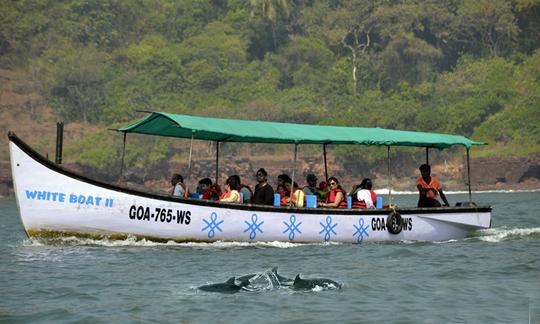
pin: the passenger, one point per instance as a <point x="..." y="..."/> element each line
<point x="179" y="188"/>
<point x="298" y="196"/>
<point x="311" y="188"/>
<point x="322" y="191"/>
<point x="336" y="196"/>
<point x="231" y="191"/>
<point x="209" y="191"/>
<point x="362" y="195"/>
<point x="245" y="191"/>
<point x="283" y="194"/>
<point x="282" y="191"/>
<point x="264" y="194"/>
<point x="429" y="188"/>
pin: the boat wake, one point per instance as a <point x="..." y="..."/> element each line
<point x="504" y="233"/>
<point x="132" y="241"/>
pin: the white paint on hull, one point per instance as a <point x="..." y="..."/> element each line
<point x="58" y="202"/>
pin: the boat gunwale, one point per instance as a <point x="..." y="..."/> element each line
<point x="249" y="207"/>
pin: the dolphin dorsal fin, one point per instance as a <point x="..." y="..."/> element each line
<point x="297" y="278"/>
<point x="231" y="280"/>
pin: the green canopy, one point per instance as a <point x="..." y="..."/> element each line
<point x="234" y="130"/>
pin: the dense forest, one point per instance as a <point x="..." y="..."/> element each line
<point x="469" y="67"/>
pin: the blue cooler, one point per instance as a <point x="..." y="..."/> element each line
<point x="311" y="201"/>
<point x="277" y="200"/>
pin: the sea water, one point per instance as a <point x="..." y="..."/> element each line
<point x="493" y="276"/>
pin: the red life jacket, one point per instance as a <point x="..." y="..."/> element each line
<point x="362" y="204"/>
<point x="373" y="197"/>
<point x="332" y="197"/>
<point x="356" y="203"/>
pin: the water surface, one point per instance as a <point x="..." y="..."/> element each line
<point x="493" y="276"/>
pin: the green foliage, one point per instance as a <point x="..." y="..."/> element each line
<point x="101" y="153"/>
<point x="466" y="97"/>
<point x="78" y="84"/>
<point x="468" y="67"/>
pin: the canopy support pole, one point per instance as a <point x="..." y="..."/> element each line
<point x="293" y="171"/>
<point x="217" y="161"/>
<point x="427" y="155"/>
<point x="189" y="163"/>
<point x="389" y="179"/>
<point x="59" y="142"/>
<point x="325" y="165"/>
<point x="121" y="180"/>
<point x="469" y="176"/>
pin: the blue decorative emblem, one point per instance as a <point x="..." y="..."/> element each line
<point x="212" y="225"/>
<point x="253" y="227"/>
<point x="292" y="227"/>
<point x="360" y="231"/>
<point x="328" y="228"/>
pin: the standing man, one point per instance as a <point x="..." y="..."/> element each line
<point x="264" y="194"/>
<point x="429" y="188"/>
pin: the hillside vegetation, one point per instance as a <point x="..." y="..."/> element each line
<point x="469" y="67"/>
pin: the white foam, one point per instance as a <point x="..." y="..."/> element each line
<point x="133" y="241"/>
<point x="501" y="234"/>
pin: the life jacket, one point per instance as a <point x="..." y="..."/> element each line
<point x="226" y="194"/>
<point x="332" y="197"/>
<point x="362" y="204"/>
<point x="283" y="197"/>
<point x="356" y="203"/>
<point x="230" y="193"/>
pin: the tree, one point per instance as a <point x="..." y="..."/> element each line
<point x="487" y="27"/>
<point x="357" y="41"/>
<point x="271" y="10"/>
<point x="78" y="84"/>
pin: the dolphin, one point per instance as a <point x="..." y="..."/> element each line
<point x="247" y="277"/>
<point x="300" y="283"/>
<point x="227" y="287"/>
<point x="282" y="280"/>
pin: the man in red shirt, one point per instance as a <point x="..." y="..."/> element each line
<point x="429" y="188"/>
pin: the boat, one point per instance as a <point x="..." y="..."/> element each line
<point x="54" y="201"/>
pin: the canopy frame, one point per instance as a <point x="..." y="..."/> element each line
<point x="234" y="130"/>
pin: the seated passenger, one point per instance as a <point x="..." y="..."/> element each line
<point x="282" y="191"/>
<point x="209" y="191"/>
<point x="283" y="194"/>
<point x="297" y="198"/>
<point x="264" y="194"/>
<point x="179" y="188"/>
<point x="336" y="196"/>
<point x="245" y="190"/>
<point x="362" y="195"/>
<point x="322" y="191"/>
<point x="231" y="191"/>
<point x="429" y="188"/>
<point x="311" y="188"/>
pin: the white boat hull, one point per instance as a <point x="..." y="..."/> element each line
<point x="55" y="201"/>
